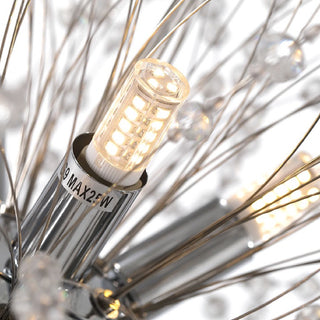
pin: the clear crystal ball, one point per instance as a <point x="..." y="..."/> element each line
<point x="311" y="89"/>
<point x="193" y="122"/>
<point x="280" y="57"/>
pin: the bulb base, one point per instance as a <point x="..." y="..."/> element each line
<point x="81" y="211"/>
<point x="98" y="163"/>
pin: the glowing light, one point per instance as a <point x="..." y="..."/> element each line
<point x="259" y="204"/>
<point x="137" y="159"/>
<point x="156" y="125"/>
<point x="270" y="197"/>
<point x="143" y="148"/>
<point x="162" y="113"/>
<point x="303" y="204"/>
<point x="114" y="314"/>
<point x="158" y="73"/>
<point x="282" y="205"/>
<point x="138" y="102"/>
<point x="136" y="122"/>
<point x="150" y="136"/>
<point x="281" y="190"/>
<point x="107" y="293"/>
<point x="153" y="83"/>
<point x="304" y="176"/>
<point x="118" y="137"/>
<point x="125" y="125"/>
<point x="172" y="87"/>
<point x="296" y="195"/>
<point x="131" y="113"/>
<point x="111" y="148"/>
<point x="293" y="183"/>
<point x="311" y="191"/>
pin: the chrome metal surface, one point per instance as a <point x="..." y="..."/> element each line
<point x="81" y="211"/>
<point x="3" y="173"/>
<point x="166" y="240"/>
<point x="214" y="254"/>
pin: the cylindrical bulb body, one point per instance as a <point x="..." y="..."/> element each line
<point x="279" y="206"/>
<point x="136" y="121"/>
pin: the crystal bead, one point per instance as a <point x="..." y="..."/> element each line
<point x="279" y="57"/>
<point x="311" y="90"/>
<point x="309" y="313"/>
<point x="216" y="307"/>
<point x="174" y="134"/>
<point x="37" y="295"/>
<point x="193" y="122"/>
<point x="40" y="269"/>
<point x="311" y="33"/>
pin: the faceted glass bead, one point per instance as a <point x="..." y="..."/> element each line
<point x="311" y="90"/>
<point x="174" y="134"/>
<point x="216" y="307"/>
<point x="37" y="295"/>
<point x="280" y="57"/>
<point x="40" y="269"/>
<point x="311" y="33"/>
<point x="193" y="122"/>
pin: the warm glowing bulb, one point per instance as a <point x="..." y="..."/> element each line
<point x="125" y="125"/>
<point x="136" y="122"/>
<point x="153" y="83"/>
<point x="281" y="190"/>
<point x="118" y="137"/>
<point x="131" y="113"/>
<point x="172" y="87"/>
<point x="292" y="183"/>
<point x="138" y="102"/>
<point x="270" y="197"/>
<point x="311" y="191"/>
<point x="111" y="148"/>
<point x="259" y="204"/>
<point x="163" y="114"/>
<point x="284" y="204"/>
<point x="156" y="125"/>
<point x="158" y="73"/>
<point x="304" y="176"/>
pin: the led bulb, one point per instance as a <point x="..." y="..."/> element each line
<point x="136" y="122"/>
<point x="267" y="225"/>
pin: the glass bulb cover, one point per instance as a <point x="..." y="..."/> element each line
<point x="136" y="122"/>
